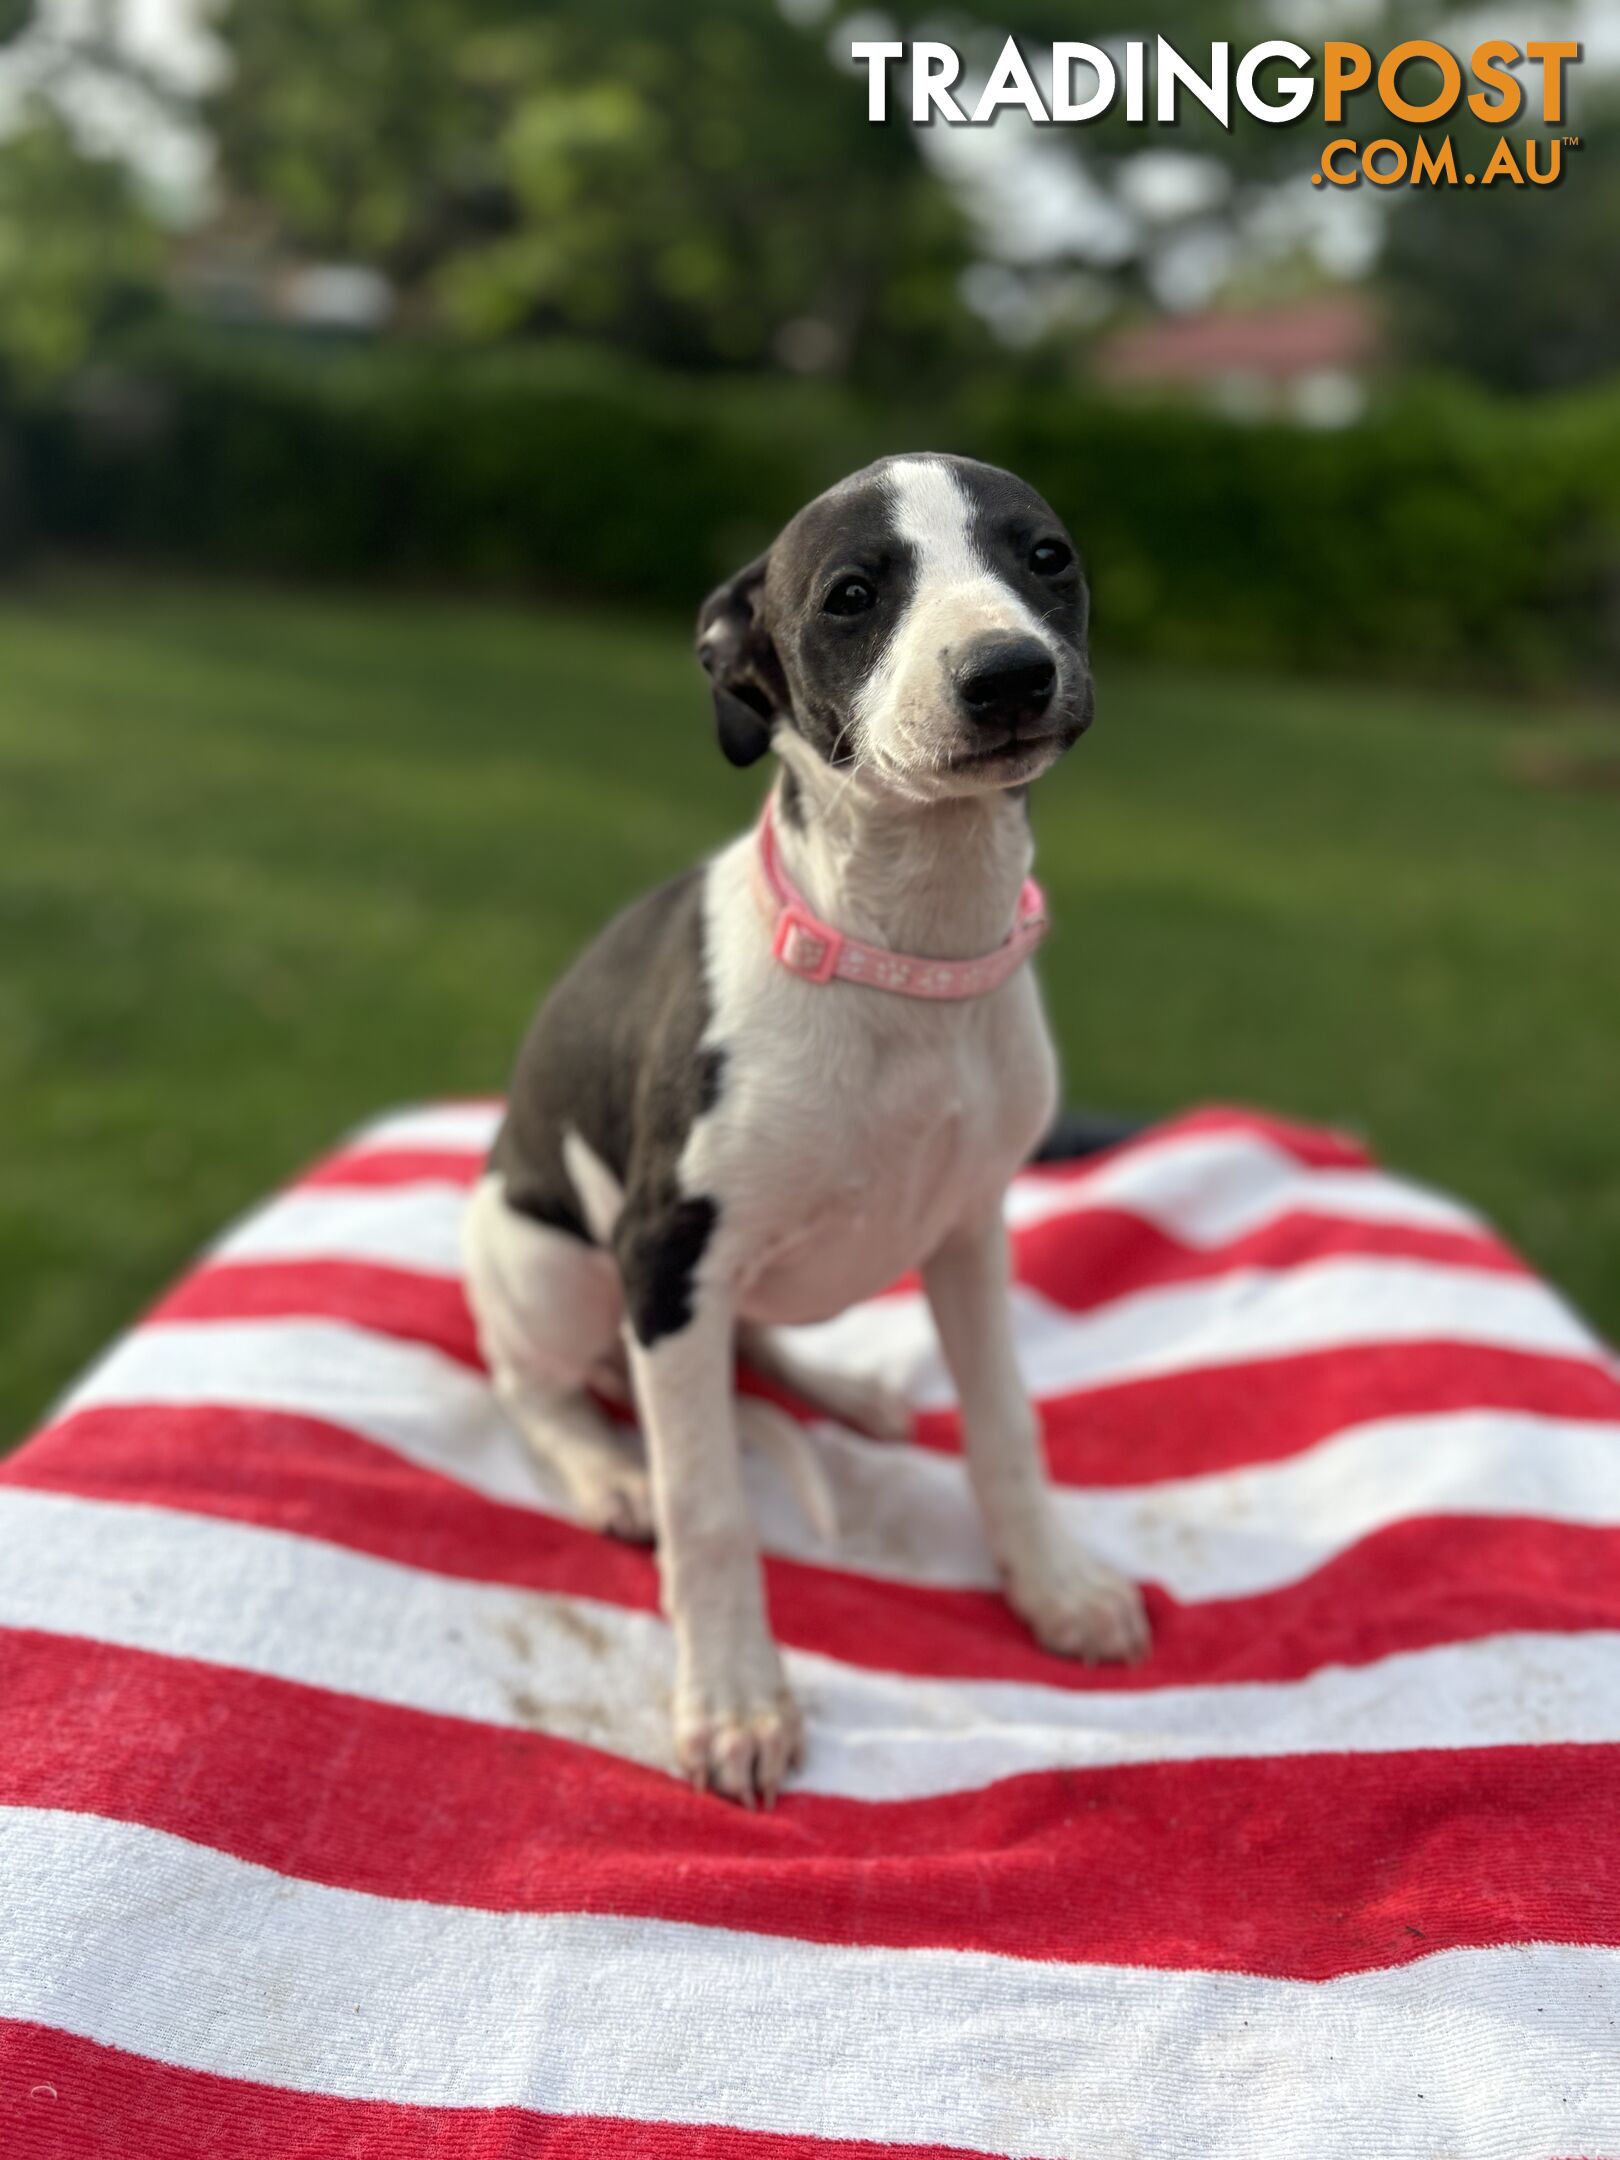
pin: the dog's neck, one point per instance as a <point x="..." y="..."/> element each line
<point x="938" y="879"/>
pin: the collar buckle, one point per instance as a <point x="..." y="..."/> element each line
<point x="806" y="947"/>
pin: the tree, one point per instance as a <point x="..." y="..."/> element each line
<point x="1239" y="196"/>
<point x="697" y="184"/>
<point x="1516" y="286"/>
<point x="77" y="251"/>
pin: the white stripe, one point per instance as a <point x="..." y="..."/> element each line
<point x="1232" y="1319"/>
<point x="141" y="1941"/>
<point x="907" y="1513"/>
<point x="1204" y="1189"/>
<point x="1199" y="1191"/>
<point x="300" y="1610"/>
<point x="467" y="1125"/>
<point x="408" y="1226"/>
<point x="402" y="1395"/>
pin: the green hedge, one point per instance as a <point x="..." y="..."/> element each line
<point x="1445" y="534"/>
<point x="563" y="466"/>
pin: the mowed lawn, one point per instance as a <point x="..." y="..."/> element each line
<point x="269" y="863"/>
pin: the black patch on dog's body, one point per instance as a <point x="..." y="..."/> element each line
<point x="614" y="1055"/>
<point x="658" y="1255"/>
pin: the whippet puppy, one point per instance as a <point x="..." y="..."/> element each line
<point x="805" y="1067"/>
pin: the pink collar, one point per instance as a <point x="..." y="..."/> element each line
<point x="817" y="953"/>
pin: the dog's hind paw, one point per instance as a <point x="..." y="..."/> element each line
<point x="617" y="1500"/>
<point x="874" y="1409"/>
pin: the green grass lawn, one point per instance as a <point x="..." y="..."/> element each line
<point x="268" y="863"/>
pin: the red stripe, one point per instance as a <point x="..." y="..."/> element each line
<point x="63" y="2098"/>
<point x="1130" y="1432"/>
<point x="393" y="1301"/>
<point x="1224" y="1866"/>
<point x="319" y="1480"/>
<point x="395" y="1166"/>
<point x="1223" y="1417"/>
<point x="1091" y="1258"/>
<point x="1085" y="1260"/>
<point x="1430" y="1580"/>
<point x="1079" y="1262"/>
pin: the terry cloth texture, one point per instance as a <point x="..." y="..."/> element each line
<point x="336" y="1806"/>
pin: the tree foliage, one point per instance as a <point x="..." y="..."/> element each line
<point x="1516" y="286"/>
<point x="77" y="251"/>
<point x="697" y="184"/>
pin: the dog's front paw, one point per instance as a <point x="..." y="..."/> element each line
<point x="1082" y="1608"/>
<point x="737" y="1739"/>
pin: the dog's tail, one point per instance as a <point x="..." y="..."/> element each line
<point x="792" y="1448"/>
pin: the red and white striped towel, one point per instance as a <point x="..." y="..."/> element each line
<point x="336" y="1814"/>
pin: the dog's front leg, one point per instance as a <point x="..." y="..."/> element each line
<point x="1075" y="1604"/>
<point x="736" y="1726"/>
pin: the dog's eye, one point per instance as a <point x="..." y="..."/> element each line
<point x="850" y="596"/>
<point x="1049" y="558"/>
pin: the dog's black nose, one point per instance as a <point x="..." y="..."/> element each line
<point x="1006" y="679"/>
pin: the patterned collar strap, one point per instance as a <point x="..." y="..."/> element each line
<point x="817" y="953"/>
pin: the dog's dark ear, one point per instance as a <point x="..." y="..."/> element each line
<point x="750" y="690"/>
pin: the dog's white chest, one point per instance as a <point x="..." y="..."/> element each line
<point x="849" y="1220"/>
<point x="857" y="1130"/>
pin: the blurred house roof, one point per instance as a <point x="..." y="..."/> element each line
<point x="1333" y="333"/>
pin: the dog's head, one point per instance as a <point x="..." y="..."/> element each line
<point x="925" y="620"/>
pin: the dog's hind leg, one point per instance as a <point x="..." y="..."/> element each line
<point x="866" y="1406"/>
<point x="548" y="1307"/>
<point x="602" y="1466"/>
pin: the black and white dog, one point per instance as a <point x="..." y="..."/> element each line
<point x="805" y="1067"/>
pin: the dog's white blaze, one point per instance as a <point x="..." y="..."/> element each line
<point x="934" y="515"/>
<point x="906" y="711"/>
